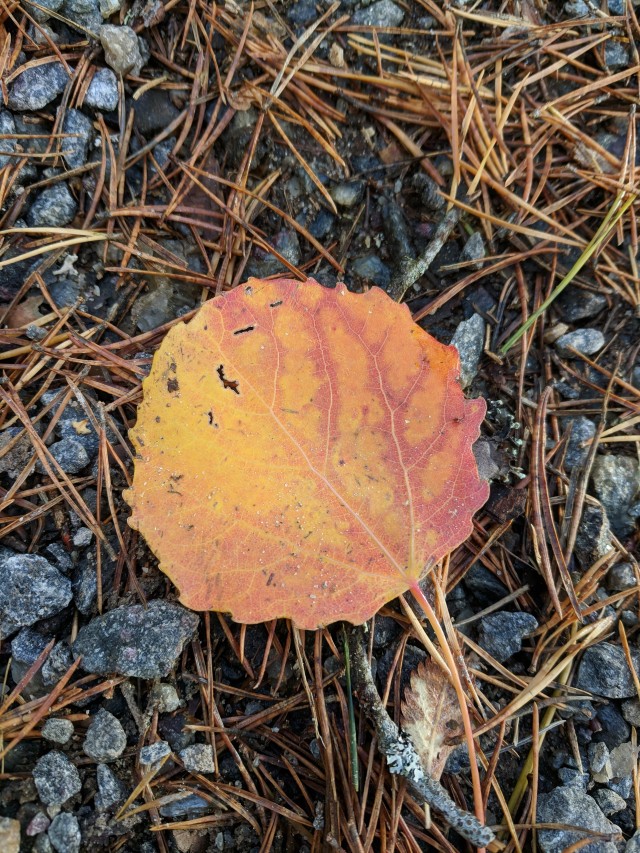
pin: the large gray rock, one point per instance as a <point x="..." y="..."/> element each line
<point x="54" y="207"/>
<point x="604" y="671"/>
<point x="30" y="589"/>
<point x="56" y="778"/>
<point x="571" y="805"/>
<point x="37" y="86"/>
<point x="134" y="641"/>
<point x="617" y="482"/>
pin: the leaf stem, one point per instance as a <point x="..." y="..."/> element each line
<point x="447" y="654"/>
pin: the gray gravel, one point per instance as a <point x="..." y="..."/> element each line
<point x="121" y="49"/>
<point x="468" y="339"/>
<point x="30" y="589"/>
<point x="575" y="304"/>
<point x="111" y="791"/>
<point x="582" y="430"/>
<point x="383" y="13"/>
<point x="105" y="739"/>
<point x="84" y="12"/>
<point x="56" y="778"/>
<point x="501" y="634"/>
<point x="154" y="752"/>
<point x="347" y="194"/>
<point x="134" y="641"/>
<point x="571" y="805"/>
<point x="102" y="93"/>
<point x="54" y="207"/>
<point x="616" y="480"/>
<point x="586" y="341"/>
<point x="64" y="833"/>
<point x="604" y="671"/>
<point x="594" y="536"/>
<point x="7" y="126"/>
<point x="76" y="146"/>
<point x="198" y="758"/>
<point x="57" y="730"/>
<point x="37" y="86"/>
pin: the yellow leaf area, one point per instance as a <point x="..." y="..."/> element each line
<point x="431" y="716"/>
<point x="303" y="452"/>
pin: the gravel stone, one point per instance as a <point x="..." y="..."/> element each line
<point x="599" y="758"/>
<point x="42" y="844"/>
<point x="7" y="125"/>
<point x="83" y="12"/>
<point x="616" y="55"/>
<point x="263" y="264"/>
<point x="582" y="430"/>
<point x="9" y="835"/>
<point x="614" y="729"/>
<point x="165" y="698"/>
<point x="109" y="8"/>
<point x="383" y="13"/>
<point x="102" y="93"/>
<point x="54" y="207"/>
<point x="57" y="730"/>
<point x="121" y="49"/>
<point x="37" y="86"/>
<point x="30" y="589"/>
<point x="633" y="844"/>
<point x="136" y="642"/>
<point x="16" y="459"/>
<point x="501" y="633"/>
<point x="474" y="250"/>
<point x="369" y="269"/>
<point x="198" y="758"/>
<point x="347" y="194"/>
<point x="77" y="145"/>
<point x="631" y="712"/>
<point x="571" y="805"/>
<point x="575" y="304"/>
<point x="617" y="481"/>
<point x="105" y="739"/>
<point x="154" y="110"/>
<point x="604" y="671"/>
<point x="468" y="339"/>
<point x="621" y="576"/>
<point x="111" y="791"/>
<point x="41" y="15"/>
<point x="56" y="778"/>
<point x="82" y="537"/>
<point x="70" y="455"/>
<point x="26" y="647"/>
<point x="189" y="806"/>
<point x="154" y="752"/>
<point x="64" y="833"/>
<point x="56" y="664"/>
<point x="594" y="536"/>
<point x="608" y="801"/>
<point x="586" y="341"/>
<point x="623" y="760"/>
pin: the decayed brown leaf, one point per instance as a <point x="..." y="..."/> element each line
<point x="431" y="716"/>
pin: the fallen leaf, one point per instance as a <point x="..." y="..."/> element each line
<point x="303" y="452"/>
<point x="25" y="312"/>
<point x="431" y="716"/>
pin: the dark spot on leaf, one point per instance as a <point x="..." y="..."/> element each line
<point x="172" y="386"/>
<point x="232" y="384"/>
<point x="270" y="578"/>
<point x="275" y="304"/>
<point x="248" y="290"/>
<point x="211" y="419"/>
<point x="245" y="329"/>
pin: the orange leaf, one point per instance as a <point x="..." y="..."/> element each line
<point x="431" y="716"/>
<point x="303" y="452"/>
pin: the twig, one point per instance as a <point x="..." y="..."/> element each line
<point x="402" y="758"/>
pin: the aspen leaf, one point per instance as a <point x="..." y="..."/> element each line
<point x="431" y="716"/>
<point x="302" y="452"/>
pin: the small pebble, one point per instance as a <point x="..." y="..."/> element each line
<point x="121" y="49"/>
<point x="594" y="536"/>
<point x="616" y="55"/>
<point x="7" y="127"/>
<point x="111" y="791"/>
<point x="76" y="146"/>
<point x="109" y="8"/>
<point x="37" y="86"/>
<point x="369" y="269"/>
<point x="154" y="752"/>
<point x="64" y="833"/>
<point x="383" y="13"/>
<point x="468" y="339"/>
<point x="54" y="207"/>
<point x="604" y="671"/>
<point x="501" y="633"/>
<point x="102" y="93"/>
<point x="616" y="480"/>
<point x="84" y="12"/>
<point x="571" y="805"/>
<point x="9" y="835"/>
<point x="105" y="739"/>
<point x="70" y="455"/>
<point x="631" y="712"/>
<point x="474" y="250"/>
<point x="165" y="698"/>
<point x="620" y="577"/>
<point x="56" y="778"/>
<point x="30" y="589"/>
<point x="198" y="758"/>
<point x="623" y="760"/>
<point x="82" y="537"/>
<point x="575" y="304"/>
<point x="347" y="194"/>
<point x="585" y="341"/>
<point x="582" y="430"/>
<point x="42" y="15"/>
<point x="57" y="730"/>
<point x="609" y="801"/>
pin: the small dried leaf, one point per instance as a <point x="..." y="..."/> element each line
<point x="81" y="427"/>
<point x="303" y="452"/>
<point x="431" y="716"/>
